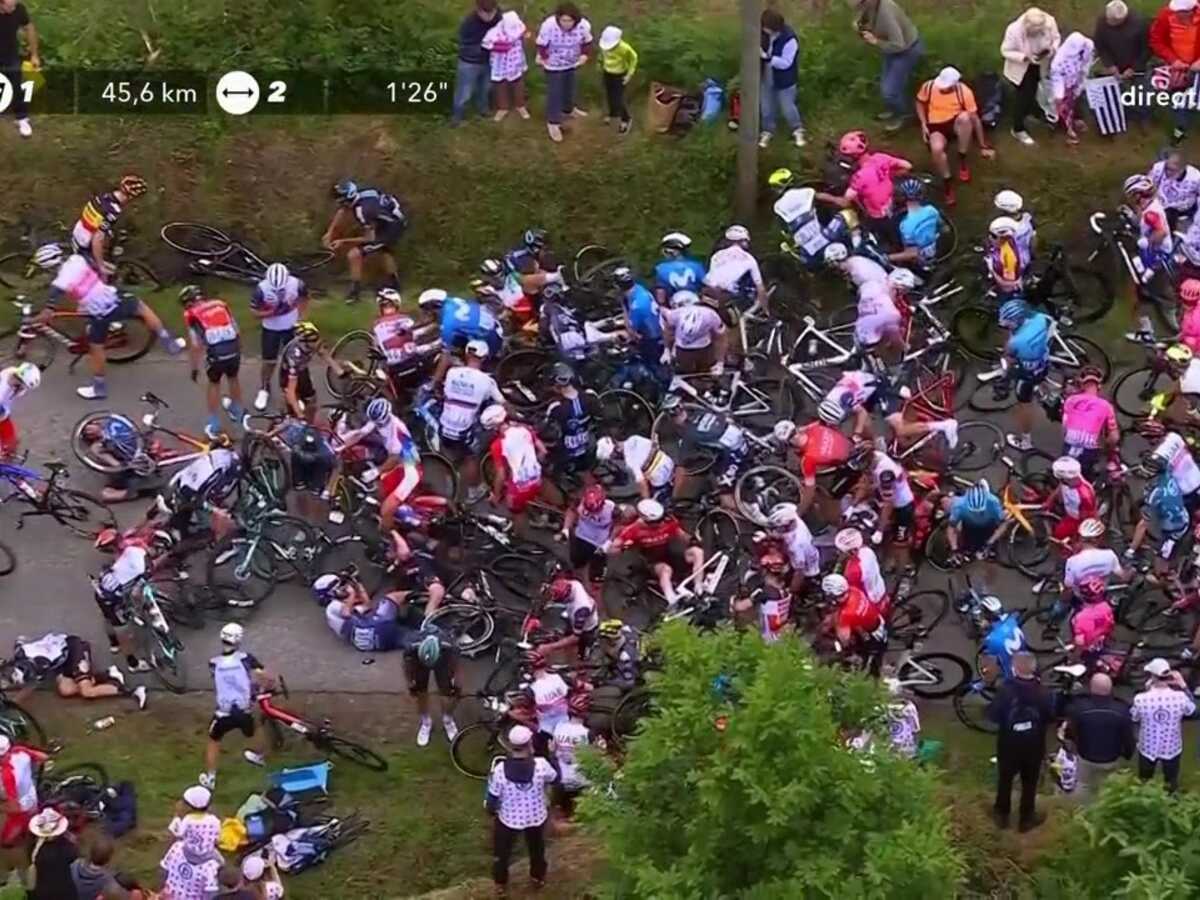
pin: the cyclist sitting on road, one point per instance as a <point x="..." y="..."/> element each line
<point x="676" y="271"/>
<point x="1011" y="204"/>
<point x="1163" y="505"/>
<point x="790" y="530"/>
<point x="466" y="390"/>
<point x="860" y="565"/>
<point x="68" y="658"/>
<point x="693" y="335"/>
<point x="1028" y="351"/>
<point x="460" y="321"/>
<point x="93" y="232"/>
<point x="295" y="379"/>
<point x="567" y="738"/>
<point x="369" y="624"/>
<point x="648" y="464"/>
<point x="1155" y="245"/>
<point x="400" y="472"/>
<point x="1073" y="499"/>
<point x="279" y="301"/>
<point x="733" y="272"/>
<point x="237" y="677"/>
<point x="885" y="482"/>
<point x="766" y="589"/>
<point x="1089" y="421"/>
<point x="103" y="305"/>
<point x="871" y="185"/>
<point x="574" y="411"/>
<point x="517" y="452"/>
<point x="214" y="337"/>
<point x="432" y="651"/>
<point x="820" y="447"/>
<point x="581" y="614"/>
<point x="920" y="228"/>
<point x="15" y="382"/>
<point x="393" y="336"/>
<point x="315" y="463"/>
<point x="550" y="692"/>
<point x="662" y="543"/>
<point x="700" y="429"/>
<point x="382" y="221"/>
<point x="975" y="521"/>
<point x="1005" y="258"/>
<point x="1094" y="624"/>
<point x="589" y="526"/>
<point x="620" y="652"/>
<point x="859" y="625"/>
<point x="1091" y="561"/>
<point x="1004" y="637"/>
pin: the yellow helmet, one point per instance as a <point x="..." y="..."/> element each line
<point x="780" y="179"/>
<point x="610" y="628"/>
<point x="1179" y="354"/>
<point x="307" y="333"/>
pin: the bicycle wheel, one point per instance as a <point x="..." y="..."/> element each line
<point x="947" y="242"/>
<point x="759" y="490"/>
<point x="718" y="530"/>
<point x="979" y="332"/>
<point x="623" y="414"/>
<point x="970" y="705"/>
<point x="296" y="545"/>
<point x="18" y="346"/>
<point x="350" y="751"/>
<point x="438" y="476"/>
<point x="8" y="560"/>
<point x="469" y="628"/>
<point x="1134" y="390"/>
<point x="587" y="258"/>
<point x="630" y="714"/>
<point x="356" y="351"/>
<point x="1087" y="293"/>
<point x="245" y="562"/>
<point x="19" y="725"/>
<point x="84" y="444"/>
<point x="133" y="274"/>
<point x="1080" y="352"/>
<point x="476" y="746"/>
<point x="519" y="573"/>
<point x="934" y="675"/>
<point x="83" y="514"/>
<point x="1028" y="550"/>
<point x="165" y="654"/>
<point x="268" y="470"/>
<point x="196" y="239"/>
<point x="524" y="378"/>
<point x="127" y="340"/>
<point x="916" y="616"/>
<point x="309" y="261"/>
<point x="980" y="444"/>
<point x="937" y="550"/>
<point x="984" y="398"/>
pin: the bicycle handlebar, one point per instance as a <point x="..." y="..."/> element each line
<point x="154" y="400"/>
<point x="1094" y="221"/>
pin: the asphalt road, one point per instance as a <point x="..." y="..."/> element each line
<point x="49" y="591"/>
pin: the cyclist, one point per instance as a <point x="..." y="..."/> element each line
<point x="582" y="617"/>
<point x="295" y="380"/>
<point x="1004" y="638"/>
<point x="788" y="528"/>
<point x="1028" y="350"/>
<point x="517" y="452"/>
<point x="1095" y="622"/>
<point x="859" y="625"/>
<point x="568" y="736"/>
<point x="860" y="565"/>
<point x="279" y="301"/>
<point x="1189" y="322"/>
<point x="460" y="321"/>
<point x="765" y="587"/>
<point x="192" y="500"/>
<point x="68" y="658"/>
<point x="396" y="343"/>
<point x="858" y="270"/>
<point x="589" y="526"/>
<point x="1178" y="186"/>
<point x="1155" y="244"/>
<point x="93" y="232"/>
<point x="871" y="185"/>
<point x="1073" y="499"/>
<point x="821" y="447"/>
<point x="643" y="319"/>
<point x="466" y="390"/>
<point x="111" y="591"/>
<point x="619" y="650"/>
<point x="975" y="522"/>
<point x="1011" y="204"/>
<point x="369" y="624"/>
<point x="662" y="543"/>
<point x="880" y="322"/>
<point x="15" y="381"/>
<point x="533" y="244"/>
<point x="1005" y="256"/>
<point x="1175" y="450"/>
<point x="885" y="482"/>
<point x="647" y="463"/>
<point x="574" y="412"/>
<point x="713" y="432"/>
<point x="314" y="465"/>
<point x="214" y="334"/>
<point x="920" y="227"/>
<point x="1163" y="506"/>
<point x="237" y="677"/>
<point x="382" y="221"/>
<point x="693" y="335"/>
<point x="1089" y="421"/>
<point x="432" y="651"/>
<point x="1091" y="561"/>
<point x="103" y="305"/>
<point x="676" y="271"/>
<point x="400" y="472"/>
<point x="734" y="272"/>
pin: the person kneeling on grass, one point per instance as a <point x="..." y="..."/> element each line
<point x="948" y="113"/>
<point x="68" y="658"/>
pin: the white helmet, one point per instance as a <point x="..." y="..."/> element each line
<point x="782" y="517"/>
<point x="831" y="411"/>
<point x="1009" y="202"/>
<point x="232" y="634"/>
<point x="29" y="375"/>
<point x="677" y="238"/>
<point x="277" y="276"/>
<point x="991" y="604"/>
<point x="605" y="447"/>
<point x="737" y="233"/>
<point x="835" y="585"/>
<point x="1090" y="529"/>
<point x="848" y="540"/>
<point x="650" y="510"/>
<point x="477" y="348"/>
<point x="5" y="744"/>
<point x="836" y="253"/>
<point x="493" y="417"/>
<point x="48" y="256"/>
<point x="902" y="278"/>
<point x="432" y="297"/>
<point x="1066" y="467"/>
<point x="684" y="298"/>
<point x="1003" y="226"/>
<point x="783" y="430"/>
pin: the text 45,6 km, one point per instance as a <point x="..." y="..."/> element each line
<point x="162" y="92"/>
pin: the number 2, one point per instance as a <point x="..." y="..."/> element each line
<point x="278" y="92"/>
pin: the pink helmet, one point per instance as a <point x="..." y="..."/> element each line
<point x="1189" y="291"/>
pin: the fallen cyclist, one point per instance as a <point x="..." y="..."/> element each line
<point x="68" y="659"/>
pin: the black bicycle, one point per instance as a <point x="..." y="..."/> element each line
<point x="217" y="254"/>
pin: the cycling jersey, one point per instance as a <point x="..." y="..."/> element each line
<point x="862" y="572"/>
<point x="123" y="572"/>
<point x="987" y="518"/>
<point x="293" y="436"/>
<point x="283" y="303"/>
<point x="465" y="391"/>
<point x="853" y="389"/>
<point x="595" y="527"/>
<point x="646" y="463"/>
<point x="295" y="358"/>
<point x="8" y="393"/>
<point x="858" y="615"/>
<point x="77" y="280"/>
<point x="393" y="337"/>
<point x="1003" y="640"/>
<point x="397" y="441"/>
<point x="901" y="490"/>
<point x="1030" y="343"/>
<point x="877" y="313"/>
<point x="1163" y="503"/>
<point x="214" y="328"/>
<point x="1177" y="192"/>
<point x="1090" y="562"/>
<point x="643" y="313"/>
<point x="1078" y="501"/>
<point x="642" y="535"/>
<point x="872" y="184"/>
<point x="1175" y="451"/>
<point x="1093" y="626"/>
<point x="774" y="607"/>
<point x="1152" y="222"/>
<point x="98" y="216"/>
<point x="732" y="269"/>
<point x="824" y="448"/>
<point x="1006" y="259"/>
<point x="624" y="659"/>
<point x="516" y="449"/>
<point x="569" y="736"/>
<point x="801" y="553"/>
<point x="573" y="416"/>
<point x="377" y="210"/>
<point x="693" y="327"/>
<point x="205" y="473"/>
<point x="861" y="270"/>
<point x="1026" y="232"/>
<point x="713" y="431"/>
<point x="582" y="617"/>
<point x="678" y="274"/>
<point x="550" y="697"/>
<point x="231" y="678"/>
<point x="465" y="320"/>
<point x="795" y="211"/>
<point x="919" y="230"/>
<point x="1086" y="419"/>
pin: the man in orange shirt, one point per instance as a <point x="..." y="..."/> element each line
<point x="947" y="111"/>
<point x="1175" y="39"/>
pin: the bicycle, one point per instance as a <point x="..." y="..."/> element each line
<point x="320" y="734"/>
<point x="24" y="339"/>
<point x="19" y="274"/>
<point x="1119" y="244"/>
<point x="150" y="454"/>
<point x="218" y="254"/>
<point x="155" y="639"/>
<point x="81" y="513"/>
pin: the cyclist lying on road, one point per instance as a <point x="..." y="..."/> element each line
<point x="68" y="659"/>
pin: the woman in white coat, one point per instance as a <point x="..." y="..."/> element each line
<point x="1029" y="44"/>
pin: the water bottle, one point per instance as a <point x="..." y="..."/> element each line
<point x="102" y="724"/>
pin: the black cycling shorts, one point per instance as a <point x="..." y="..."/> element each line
<point x="238" y="720"/>
<point x="97" y="326"/>
<point x="727" y="468"/>
<point x="274" y="341"/>
<point x="458" y="449"/>
<point x="78" y="665"/>
<point x="113" y="609"/>
<point x="311" y="475"/>
<point x="903" y="518"/>
<point x="304" y="386"/>
<point x="584" y="553"/>
<point x="385" y="239"/>
<point x="418" y="675"/>
<point x="228" y="367"/>
<point x="1027" y="381"/>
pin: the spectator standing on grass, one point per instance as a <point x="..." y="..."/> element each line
<point x="504" y="42"/>
<point x="191" y="864"/>
<point x="93" y="876"/>
<point x="1068" y="70"/>
<point x="49" y="875"/>
<point x="1159" y="711"/>
<point x="472" y="80"/>
<point x="947" y="111"/>
<point x="564" y="44"/>
<point x="1029" y="44"/>
<point x="618" y="62"/>
<point x="1100" y="726"/>
<point x="1023" y="710"/>
<point x="884" y="25"/>
<point x="1123" y="50"/>
<point x="781" y="65"/>
<point x="516" y="797"/>
<point x="15" y="22"/>
<point x="1175" y="39"/>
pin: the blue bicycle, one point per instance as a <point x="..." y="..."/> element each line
<point x="79" y="512"/>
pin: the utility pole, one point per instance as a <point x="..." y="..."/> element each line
<point x="748" y="127"/>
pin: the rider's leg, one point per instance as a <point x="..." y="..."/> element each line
<point x="695" y="556"/>
<point x="389" y="266"/>
<point x="212" y="401"/>
<point x="233" y="389"/>
<point x="155" y="324"/>
<point x="662" y="571"/>
<point x="354" y="259"/>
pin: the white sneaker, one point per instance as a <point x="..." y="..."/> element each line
<point x="208" y="780"/>
<point x="89" y="392"/>
<point x="1020" y="442"/>
<point x="1140" y="337"/>
<point x="255" y="759"/>
<point x="424" y="732"/>
<point x="139" y="694"/>
<point x="1024" y="137"/>
<point x="25" y="129"/>
<point x="116" y="675"/>
<point x="764" y="139"/>
<point x="555" y="132"/>
<point x="798" y="137"/>
<point x="260" y="400"/>
<point x="950" y="430"/>
<point x="450" y="727"/>
<point x="578" y="113"/>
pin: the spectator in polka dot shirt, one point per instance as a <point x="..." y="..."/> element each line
<point x="516" y="796"/>
<point x="564" y="44"/>
<point x="1159" y="712"/>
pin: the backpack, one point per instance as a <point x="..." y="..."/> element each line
<point x="120" y="809"/>
<point x="1023" y="719"/>
<point x="989" y="98"/>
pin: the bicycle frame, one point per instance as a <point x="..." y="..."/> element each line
<point x="757" y="403"/>
<point x="815" y="337"/>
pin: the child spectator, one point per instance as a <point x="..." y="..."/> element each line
<point x="618" y="62"/>
<point x="507" y="56"/>
<point x="1068" y="70"/>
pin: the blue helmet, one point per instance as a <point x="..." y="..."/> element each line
<point x="120" y="438"/>
<point x="977" y="496"/>
<point x="345" y="191"/>
<point x="379" y="411"/>
<point x="912" y="189"/>
<point x="1014" y="312"/>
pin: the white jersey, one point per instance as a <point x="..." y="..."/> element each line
<point x="392" y="338"/>
<point x="568" y="737"/>
<point x="1092" y="562"/>
<point x="582" y="615"/>
<point x="861" y="270"/>
<point x="646" y="463"/>
<point x="200" y="472"/>
<point x="284" y="304"/>
<point x="802" y="554"/>
<point x="83" y="284"/>
<point x="550" y="697"/>
<point x="853" y="389"/>
<point x="520" y="453"/>
<point x="46" y="651"/>
<point x="595" y="528"/>
<point x="773" y="616"/>
<point x="465" y="392"/>
<point x="1190" y="382"/>
<point x="693" y="327"/>
<point x="8" y="393"/>
<point x="862" y="570"/>
<point x="1179" y="457"/>
<point x="336" y="616"/>
<point x="729" y="266"/>
<point x="1176" y="192"/>
<point x="902" y="494"/>
<point x="124" y="571"/>
<point x="231" y="681"/>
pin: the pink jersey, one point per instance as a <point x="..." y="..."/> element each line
<point x="872" y="183"/>
<point x="1189" y="328"/>
<point x="1093" y="625"/>
<point x="1086" y="418"/>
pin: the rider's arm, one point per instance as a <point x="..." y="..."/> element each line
<point x="1139" y="534"/>
<point x="98" y="248"/>
<point x="862" y="422"/>
<point x="501" y="477"/>
<point x="336" y="223"/>
<point x="291" y="394"/>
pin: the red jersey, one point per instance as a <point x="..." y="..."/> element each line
<point x="1076" y="501"/>
<point x="651" y="536"/>
<point x="826" y="447"/>
<point x="211" y="322"/>
<point x="858" y="615"/>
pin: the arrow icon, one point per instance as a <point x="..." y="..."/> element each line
<point x="237" y="93"/>
<point x="229" y="93"/>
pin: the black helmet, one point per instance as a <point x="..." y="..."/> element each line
<point x="554" y="291"/>
<point x="860" y="457"/>
<point x="562" y="374"/>
<point x="535" y="239"/>
<point x="345" y="191"/>
<point x="491" y="268"/>
<point x="190" y="294"/>
<point x="1154" y="464"/>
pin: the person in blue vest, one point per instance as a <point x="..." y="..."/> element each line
<point x="780" y="55"/>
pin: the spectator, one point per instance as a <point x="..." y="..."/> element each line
<point x="1159" y="711"/>
<point x="471" y="79"/>
<point x="93" y="876"/>
<point x="516" y="796"/>
<point x="618" y="60"/>
<point x="1068" y="70"/>
<point x="947" y="112"/>
<point x="232" y="886"/>
<point x="883" y="24"/>
<point x="1029" y="44"/>
<point x="503" y="41"/>
<point x="15" y="21"/>
<point x="263" y="875"/>
<point x="49" y="875"/>
<point x="1102" y="731"/>
<point x="192" y="815"/>
<point x="1175" y="39"/>
<point x="564" y="43"/>
<point x="1024" y="710"/>
<point x="780" y="53"/>
<point x="1123" y="51"/>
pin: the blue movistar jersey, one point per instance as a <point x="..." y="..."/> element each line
<point x="919" y="229"/>
<point x="989" y="517"/>
<point x="465" y="320"/>
<point x="1005" y="639"/>
<point x="679" y="274"/>
<point x="1164" y="504"/>
<point x="643" y="313"/>
<point x="1030" y="343"/>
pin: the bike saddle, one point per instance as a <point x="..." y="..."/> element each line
<point x="1078" y="670"/>
<point x="56" y="467"/>
<point x="154" y="400"/>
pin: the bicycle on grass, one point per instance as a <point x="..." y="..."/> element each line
<point x="320" y="734"/>
<point x="216" y="253"/>
<point x="19" y="273"/>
